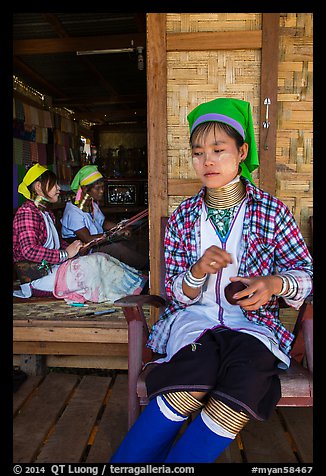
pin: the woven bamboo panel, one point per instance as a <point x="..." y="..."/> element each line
<point x="294" y="146"/>
<point x="196" y="77"/>
<point x="174" y="202"/>
<point x="187" y="22"/>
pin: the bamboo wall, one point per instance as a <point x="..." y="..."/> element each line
<point x="198" y="76"/>
<point x="294" y="145"/>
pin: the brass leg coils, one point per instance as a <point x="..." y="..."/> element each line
<point x="183" y="402"/>
<point x="226" y="417"/>
<point x="221" y="414"/>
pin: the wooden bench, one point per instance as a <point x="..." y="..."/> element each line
<point x="47" y="333"/>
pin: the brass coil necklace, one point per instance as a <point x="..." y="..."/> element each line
<point x="41" y="202"/>
<point x="225" y="197"/>
<point x="86" y="204"/>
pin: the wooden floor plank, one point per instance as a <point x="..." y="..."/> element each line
<point x="25" y="391"/>
<point x="232" y="454"/>
<point x="72" y="419"/>
<point x="35" y="419"/>
<point x="266" y="442"/>
<point x="113" y="425"/>
<point x="70" y="436"/>
<point x="299" y="423"/>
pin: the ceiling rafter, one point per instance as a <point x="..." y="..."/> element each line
<point x="57" y="26"/>
<point x="101" y="100"/>
<point x="72" y="44"/>
<point x="111" y="115"/>
<point x="109" y="87"/>
<point x="49" y="87"/>
<point x="61" y="32"/>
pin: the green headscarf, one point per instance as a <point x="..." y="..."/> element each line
<point x="237" y="114"/>
<point x="85" y="176"/>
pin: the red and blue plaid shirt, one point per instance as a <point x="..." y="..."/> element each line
<point x="271" y="243"/>
<point x="29" y="236"/>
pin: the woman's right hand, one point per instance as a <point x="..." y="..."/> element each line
<point x="211" y="262"/>
<point x="74" y="248"/>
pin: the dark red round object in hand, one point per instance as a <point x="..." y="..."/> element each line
<point x="233" y="288"/>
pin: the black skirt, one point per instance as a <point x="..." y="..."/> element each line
<point x="231" y="366"/>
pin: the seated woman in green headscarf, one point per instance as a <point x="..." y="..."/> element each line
<point x="230" y="251"/>
<point x="84" y="219"/>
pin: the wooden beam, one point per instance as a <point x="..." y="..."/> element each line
<point x="27" y="99"/>
<point x="118" y="362"/>
<point x="268" y="89"/>
<point x="157" y="139"/>
<point x="121" y="127"/>
<point x="70" y="45"/>
<point x="214" y="40"/>
<point x="76" y="324"/>
<point x="61" y="32"/>
<point x="82" y="361"/>
<point x="106" y="100"/>
<point x="96" y="74"/>
<point x="56" y="24"/>
<point x="61" y="334"/>
<point x="111" y="115"/>
<point x="69" y="348"/>
<point x="31" y="74"/>
<point x="183" y="187"/>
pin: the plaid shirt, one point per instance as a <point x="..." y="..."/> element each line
<point x="271" y="243"/>
<point x="29" y="236"/>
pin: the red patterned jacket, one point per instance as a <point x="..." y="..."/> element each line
<point x="29" y="236"/>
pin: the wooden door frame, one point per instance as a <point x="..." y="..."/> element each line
<point x="268" y="89"/>
<point x="156" y="140"/>
<point x="158" y="44"/>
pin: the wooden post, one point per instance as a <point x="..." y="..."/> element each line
<point x="135" y="338"/>
<point x="268" y="90"/>
<point x="33" y="364"/>
<point x="157" y="141"/>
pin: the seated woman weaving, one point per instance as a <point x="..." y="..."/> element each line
<point x="84" y="219"/>
<point x="46" y="265"/>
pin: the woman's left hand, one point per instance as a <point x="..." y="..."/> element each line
<point x="258" y="292"/>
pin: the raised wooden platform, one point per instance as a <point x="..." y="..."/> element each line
<point x="66" y="337"/>
<point x="47" y="332"/>
<point x="70" y="418"/>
